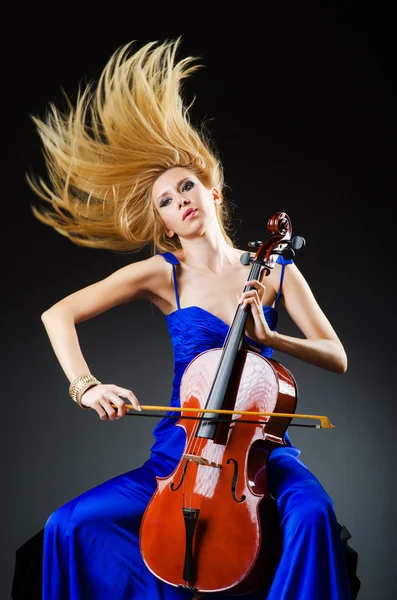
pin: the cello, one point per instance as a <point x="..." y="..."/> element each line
<point x="212" y="524"/>
<point x="27" y="577"/>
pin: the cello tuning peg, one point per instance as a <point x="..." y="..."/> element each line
<point x="298" y="242"/>
<point x="288" y="253"/>
<point x="256" y="244"/>
<point x="246" y="258"/>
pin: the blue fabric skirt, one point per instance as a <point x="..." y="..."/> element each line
<point x="91" y="544"/>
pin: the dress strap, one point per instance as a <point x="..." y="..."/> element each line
<point x="283" y="261"/>
<point x="171" y="258"/>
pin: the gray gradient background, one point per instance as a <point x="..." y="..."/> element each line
<point x="301" y="113"/>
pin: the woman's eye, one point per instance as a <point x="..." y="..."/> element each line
<point x="185" y="185"/>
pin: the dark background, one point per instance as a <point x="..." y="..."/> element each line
<point x="300" y="108"/>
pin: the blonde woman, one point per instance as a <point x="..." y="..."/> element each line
<point x="127" y="169"/>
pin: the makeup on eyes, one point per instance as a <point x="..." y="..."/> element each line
<point x="183" y="183"/>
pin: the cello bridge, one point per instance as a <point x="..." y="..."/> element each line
<point x="199" y="460"/>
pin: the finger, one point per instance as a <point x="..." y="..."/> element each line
<point x="127" y="394"/>
<point x="255" y="283"/>
<point x="253" y="303"/>
<point x="110" y="411"/>
<point x="101" y="412"/>
<point x="259" y="287"/>
<point x="250" y="294"/>
<point x="120" y="406"/>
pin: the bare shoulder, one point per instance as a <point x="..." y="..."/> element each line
<point x="302" y="306"/>
<point x="139" y="279"/>
<point x="295" y="286"/>
<point x="143" y="277"/>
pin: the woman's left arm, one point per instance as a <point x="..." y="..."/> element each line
<point x="322" y="347"/>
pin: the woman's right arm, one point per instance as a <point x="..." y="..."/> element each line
<point x="137" y="280"/>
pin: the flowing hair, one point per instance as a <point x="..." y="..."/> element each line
<point x="104" y="154"/>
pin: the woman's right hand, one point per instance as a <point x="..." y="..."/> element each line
<point x="101" y="395"/>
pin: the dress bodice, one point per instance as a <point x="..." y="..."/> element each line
<point x="194" y="330"/>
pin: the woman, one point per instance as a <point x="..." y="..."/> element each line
<point x="128" y="169"/>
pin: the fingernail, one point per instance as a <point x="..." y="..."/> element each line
<point x="139" y="408"/>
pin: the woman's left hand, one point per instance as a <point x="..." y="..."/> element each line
<point x="256" y="326"/>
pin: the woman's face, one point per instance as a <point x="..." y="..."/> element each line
<point x="178" y="190"/>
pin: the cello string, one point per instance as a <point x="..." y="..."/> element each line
<point x="191" y="445"/>
<point x="198" y="444"/>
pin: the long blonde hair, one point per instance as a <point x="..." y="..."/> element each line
<point x="104" y="154"/>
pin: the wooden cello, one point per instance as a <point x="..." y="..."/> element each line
<point x="212" y="525"/>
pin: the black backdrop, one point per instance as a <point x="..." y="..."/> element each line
<point x="300" y="107"/>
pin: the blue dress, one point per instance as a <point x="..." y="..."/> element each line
<point x="91" y="543"/>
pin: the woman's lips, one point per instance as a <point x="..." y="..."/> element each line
<point x="191" y="214"/>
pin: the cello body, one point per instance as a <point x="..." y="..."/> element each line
<point x="212" y="525"/>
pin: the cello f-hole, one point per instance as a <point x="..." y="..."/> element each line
<point x="234" y="481"/>
<point x="172" y="487"/>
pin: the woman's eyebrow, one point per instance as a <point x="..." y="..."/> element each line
<point x="167" y="191"/>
